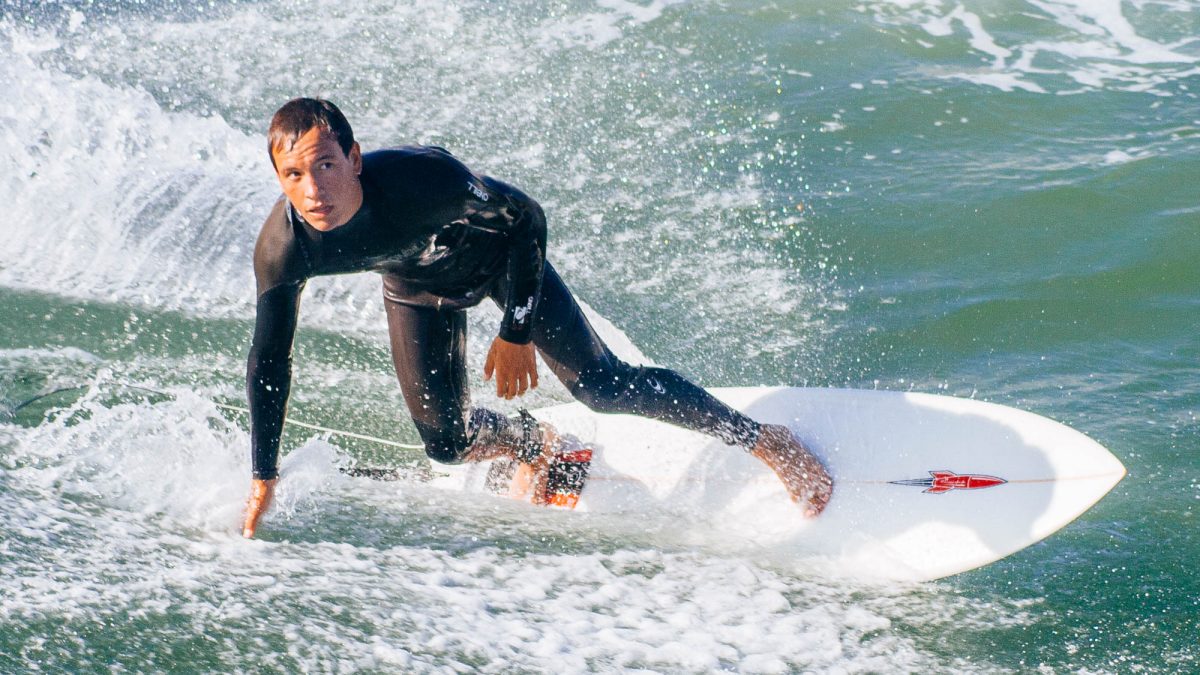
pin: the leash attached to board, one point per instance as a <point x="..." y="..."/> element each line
<point x="234" y="408"/>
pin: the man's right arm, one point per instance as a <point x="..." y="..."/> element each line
<point x="280" y="270"/>
<point x="269" y="374"/>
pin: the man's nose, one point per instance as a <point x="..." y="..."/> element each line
<point x="312" y="189"/>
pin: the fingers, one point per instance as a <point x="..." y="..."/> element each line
<point x="513" y="366"/>
<point x="254" y="511"/>
<point x="259" y="501"/>
<point x="503" y="384"/>
<point x="489" y="364"/>
<point x="522" y="381"/>
<point x="250" y="525"/>
<point x="510" y="385"/>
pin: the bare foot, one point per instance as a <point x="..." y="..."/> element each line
<point x="801" y="472"/>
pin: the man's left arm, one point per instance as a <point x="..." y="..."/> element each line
<point x="511" y="358"/>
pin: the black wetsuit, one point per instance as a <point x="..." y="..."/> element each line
<point x="444" y="238"/>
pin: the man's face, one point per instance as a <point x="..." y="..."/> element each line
<point x="319" y="180"/>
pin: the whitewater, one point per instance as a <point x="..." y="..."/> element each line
<point x="992" y="199"/>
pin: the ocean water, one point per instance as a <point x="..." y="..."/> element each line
<point x="982" y="198"/>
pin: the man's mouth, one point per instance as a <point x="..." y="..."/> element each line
<point x="322" y="210"/>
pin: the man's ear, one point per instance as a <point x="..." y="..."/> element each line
<point x="356" y="157"/>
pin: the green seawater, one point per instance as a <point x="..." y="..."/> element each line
<point x="993" y="199"/>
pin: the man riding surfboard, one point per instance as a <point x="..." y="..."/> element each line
<point x="444" y="238"/>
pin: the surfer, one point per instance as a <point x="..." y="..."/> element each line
<point x="444" y="238"/>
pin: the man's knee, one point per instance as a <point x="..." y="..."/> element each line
<point x="448" y="446"/>
<point x="452" y="445"/>
<point x="446" y="450"/>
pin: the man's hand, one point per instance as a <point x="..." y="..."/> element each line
<point x="261" y="492"/>
<point x="514" y="366"/>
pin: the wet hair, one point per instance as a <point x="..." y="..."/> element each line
<point x="299" y="116"/>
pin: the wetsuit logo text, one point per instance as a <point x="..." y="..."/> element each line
<point x="479" y="194"/>
<point x="520" y="313"/>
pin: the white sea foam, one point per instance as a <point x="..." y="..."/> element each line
<point x="48" y="354"/>
<point x="1094" y="44"/>
<point x="154" y="203"/>
<point x="140" y="179"/>
<point x="1117" y="157"/>
<point x="139" y="201"/>
<point x="596" y="29"/>
<point x="1001" y="81"/>
<point x="131" y="514"/>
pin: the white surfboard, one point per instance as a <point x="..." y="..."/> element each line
<point x="925" y="486"/>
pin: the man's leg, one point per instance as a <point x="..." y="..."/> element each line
<point x="595" y="376"/>
<point x="429" y="354"/>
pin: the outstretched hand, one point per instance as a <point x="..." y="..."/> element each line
<point x="261" y="492"/>
<point x="514" y="366"/>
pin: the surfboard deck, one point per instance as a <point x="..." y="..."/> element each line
<point x="925" y="486"/>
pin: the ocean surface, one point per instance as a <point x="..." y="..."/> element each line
<point x="995" y="199"/>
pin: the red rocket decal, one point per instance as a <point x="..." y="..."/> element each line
<point x="945" y="481"/>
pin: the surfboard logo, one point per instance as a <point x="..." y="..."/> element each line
<point x="944" y="481"/>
